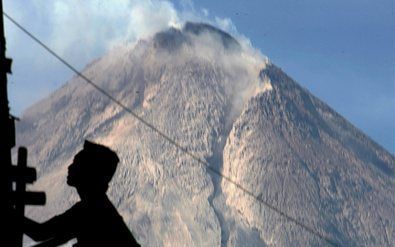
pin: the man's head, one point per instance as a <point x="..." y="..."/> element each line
<point x="92" y="168"/>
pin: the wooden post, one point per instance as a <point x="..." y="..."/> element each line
<point x="22" y="175"/>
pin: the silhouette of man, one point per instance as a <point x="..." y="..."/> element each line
<point x="94" y="221"/>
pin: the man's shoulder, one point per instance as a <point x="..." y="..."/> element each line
<point x="77" y="208"/>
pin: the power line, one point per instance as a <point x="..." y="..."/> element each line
<point x="159" y="132"/>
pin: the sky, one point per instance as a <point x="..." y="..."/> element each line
<point x="341" y="51"/>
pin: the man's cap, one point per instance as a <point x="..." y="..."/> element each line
<point x="103" y="160"/>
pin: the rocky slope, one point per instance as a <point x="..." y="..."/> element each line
<point x="234" y="109"/>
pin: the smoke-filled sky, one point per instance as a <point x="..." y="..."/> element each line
<point x="342" y="51"/>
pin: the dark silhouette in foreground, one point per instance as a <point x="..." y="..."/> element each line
<point x="94" y="221"/>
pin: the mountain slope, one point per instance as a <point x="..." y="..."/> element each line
<point x="308" y="153"/>
<point x="228" y="106"/>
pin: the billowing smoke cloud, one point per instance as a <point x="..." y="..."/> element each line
<point x="81" y="31"/>
<point x="98" y="25"/>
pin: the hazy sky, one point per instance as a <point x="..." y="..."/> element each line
<point x="342" y="51"/>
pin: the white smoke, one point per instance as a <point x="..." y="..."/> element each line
<point x="86" y="29"/>
<point x="81" y="31"/>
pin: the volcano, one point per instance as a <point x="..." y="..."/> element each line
<point x="231" y="107"/>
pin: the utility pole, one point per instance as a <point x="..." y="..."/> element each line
<point x="13" y="179"/>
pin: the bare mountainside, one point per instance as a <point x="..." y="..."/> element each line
<point x="231" y="107"/>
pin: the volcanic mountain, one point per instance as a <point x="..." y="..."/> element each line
<point x="231" y="107"/>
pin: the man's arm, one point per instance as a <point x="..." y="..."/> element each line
<point x="58" y="228"/>
<point x="39" y="231"/>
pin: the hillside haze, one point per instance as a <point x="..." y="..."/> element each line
<point x="233" y="108"/>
